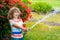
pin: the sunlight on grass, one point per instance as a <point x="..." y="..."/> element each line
<point x="36" y="16"/>
<point x="42" y="32"/>
<point x="29" y="24"/>
<point x="54" y="18"/>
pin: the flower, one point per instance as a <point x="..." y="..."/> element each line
<point x="28" y="10"/>
<point x="18" y="1"/>
<point x="6" y="0"/>
<point x="12" y="2"/>
<point x="22" y="4"/>
<point x="1" y="5"/>
<point x="26" y="18"/>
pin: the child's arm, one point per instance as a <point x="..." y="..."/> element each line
<point x="21" y="27"/>
<point x="18" y="26"/>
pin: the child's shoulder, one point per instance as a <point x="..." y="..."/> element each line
<point x="10" y="20"/>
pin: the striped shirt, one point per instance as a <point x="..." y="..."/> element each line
<point x="16" y="32"/>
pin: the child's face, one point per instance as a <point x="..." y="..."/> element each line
<point x="16" y="14"/>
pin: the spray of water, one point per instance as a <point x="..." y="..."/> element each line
<point x="47" y="16"/>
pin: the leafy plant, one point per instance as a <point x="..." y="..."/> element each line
<point x="41" y="7"/>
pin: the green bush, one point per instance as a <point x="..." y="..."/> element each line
<point x="41" y="7"/>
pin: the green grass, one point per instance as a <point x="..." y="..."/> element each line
<point x="42" y="31"/>
<point x="54" y="18"/>
<point x="36" y="16"/>
<point x="54" y="3"/>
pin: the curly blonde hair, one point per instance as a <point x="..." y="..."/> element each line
<point x="13" y="10"/>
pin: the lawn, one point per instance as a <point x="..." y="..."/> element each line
<point x="54" y="3"/>
<point x="36" y="16"/>
<point x="42" y="31"/>
<point x="55" y="18"/>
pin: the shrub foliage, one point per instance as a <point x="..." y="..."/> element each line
<point x="41" y="7"/>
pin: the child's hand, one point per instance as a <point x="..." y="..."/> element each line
<point x="26" y="30"/>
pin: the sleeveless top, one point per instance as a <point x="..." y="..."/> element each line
<point x="16" y="32"/>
